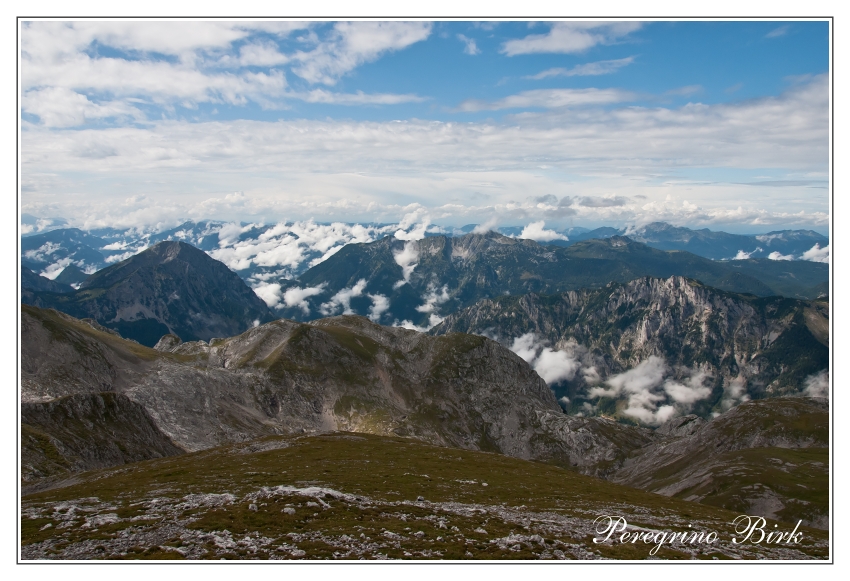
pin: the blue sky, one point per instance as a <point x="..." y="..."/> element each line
<point x="703" y="124"/>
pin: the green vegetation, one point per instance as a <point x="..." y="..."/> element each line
<point x="371" y="497"/>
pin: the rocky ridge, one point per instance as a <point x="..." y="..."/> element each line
<point x="743" y="345"/>
<point x="340" y="373"/>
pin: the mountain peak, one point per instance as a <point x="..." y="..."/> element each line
<point x="172" y="287"/>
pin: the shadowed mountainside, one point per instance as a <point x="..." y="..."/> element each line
<point x="171" y="287"/>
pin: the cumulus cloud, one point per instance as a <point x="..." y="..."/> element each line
<point x="689" y="391"/>
<point x="343" y="299"/>
<point x="587" y="69"/>
<point x="745" y="255"/>
<point x="380" y="304"/>
<point x="269" y="292"/>
<point x="55" y="269"/>
<point x="817" y="254"/>
<point x="817" y="385"/>
<point x="554" y="366"/>
<point x="550" y="364"/>
<point x="414" y="225"/>
<point x="536" y="231"/>
<point x="297" y="297"/>
<point x="486" y="226"/>
<point x="570" y="37"/>
<point x="645" y="376"/>
<point x="407" y="260"/>
<point x="776" y="255"/>
<point x="292" y="246"/>
<point x="408" y="324"/>
<point x="650" y="398"/>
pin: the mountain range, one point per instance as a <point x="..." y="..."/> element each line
<point x="260" y="252"/>
<point x="714" y="348"/>
<point x="172" y="287"/>
<point x="680" y="375"/>
<point x="91" y="399"/>
<point x="419" y="282"/>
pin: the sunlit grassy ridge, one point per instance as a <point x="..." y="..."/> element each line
<point x="360" y="496"/>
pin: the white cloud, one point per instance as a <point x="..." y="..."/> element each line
<point x="343" y="299"/>
<point x="587" y="69"/>
<point x="288" y="245"/>
<point x="526" y="346"/>
<point x="470" y="47"/>
<point x="61" y="107"/>
<point x="746" y="255"/>
<point x="297" y="297"/>
<point x="406" y="259"/>
<point x="269" y="292"/>
<point x="570" y="37"/>
<point x="554" y="366"/>
<point x="776" y="255"/>
<point x="433" y="299"/>
<point x="419" y="220"/>
<point x="645" y="376"/>
<point x="486" y="226"/>
<point x="550" y="364"/>
<point x="817" y="254"/>
<point x="55" y="269"/>
<point x="408" y="324"/>
<point x="689" y="391"/>
<point x="474" y="169"/>
<point x="125" y="255"/>
<point x="354" y="43"/>
<point x="535" y="231"/>
<point x="261" y="54"/>
<point x="67" y="82"/>
<point x="42" y="253"/>
<point x="817" y="385"/>
<point x="648" y="393"/>
<point x="380" y="304"/>
<point x="550" y="99"/>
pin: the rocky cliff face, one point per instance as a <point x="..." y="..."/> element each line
<point x="340" y="373"/>
<point x="171" y="287"/>
<point x="84" y="432"/>
<point x="738" y="346"/>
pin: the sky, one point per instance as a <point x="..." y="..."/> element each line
<point x="717" y="124"/>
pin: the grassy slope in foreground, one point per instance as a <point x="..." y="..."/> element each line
<point x="346" y="496"/>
